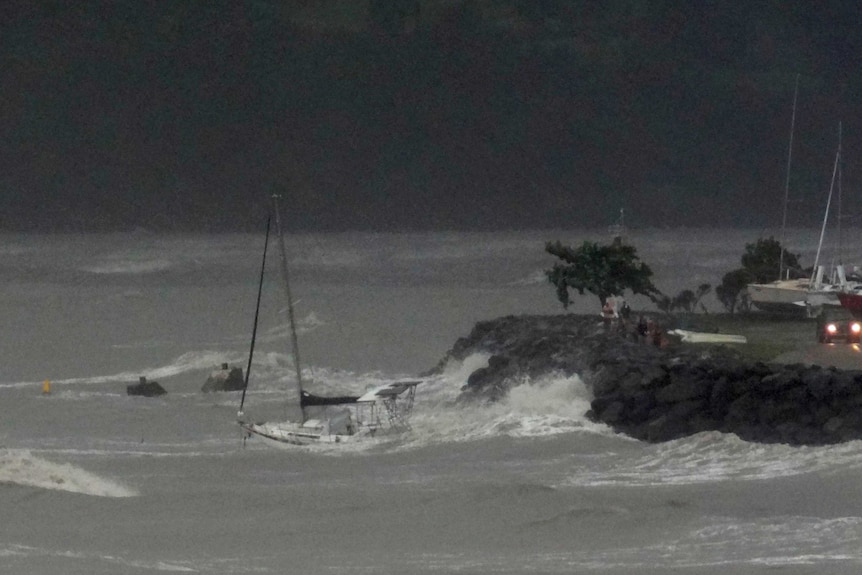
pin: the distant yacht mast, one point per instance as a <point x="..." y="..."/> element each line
<point x="618" y="230"/>
<point x="787" y="183"/>
<point x="835" y="172"/>
<point x="840" y="161"/>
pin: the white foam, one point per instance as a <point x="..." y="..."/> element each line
<point x="188" y="362"/>
<point x="548" y="406"/>
<point x="281" y="332"/>
<point x="128" y="266"/>
<point x="22" y="468"/>
<point x="715" y="457"/>
<point x="31" y="551"/>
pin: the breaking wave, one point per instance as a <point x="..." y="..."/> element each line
<point x="715" y="457"/>
<point x="19" y="467"/>
<point x="130" y="267"/>
<point x="548" y="406"/>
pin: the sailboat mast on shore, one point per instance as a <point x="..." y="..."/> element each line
<point x="783" y="295"/>
<point x="804" y="295"/>
<point x="787" y="181"/>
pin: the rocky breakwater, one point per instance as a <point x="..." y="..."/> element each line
<point x="663" y="393"/>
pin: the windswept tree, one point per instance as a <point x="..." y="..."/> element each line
<point x="603" y="270"/>
<point x="684" y="300"/>
<point x="688" y="300"/>
<point x="733" y="291"/>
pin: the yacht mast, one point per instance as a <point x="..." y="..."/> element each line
<point x="290" y="314"/>
<point x="787" y="183"/>
<point x="839" y="161"/>
<point x="825" y="219"/>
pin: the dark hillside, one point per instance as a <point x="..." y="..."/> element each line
<point x="384" y="114"/>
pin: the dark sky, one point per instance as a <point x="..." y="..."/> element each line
<point x="419" y="114"/>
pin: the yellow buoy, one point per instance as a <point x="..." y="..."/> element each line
<point x="46" y="387"/>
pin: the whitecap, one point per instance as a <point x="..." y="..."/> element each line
<point x="130" y="267"/>
<point x="20" y="467"/>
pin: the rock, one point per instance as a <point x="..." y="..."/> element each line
<point x="224" y="379"/>
<point x="145" y="388"/>
<point x="612" y="413"/>
<point x="663" y="393"/>
<point x="684" y="388"/>
<point x="818" y="382"/>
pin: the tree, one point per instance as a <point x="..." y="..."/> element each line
<point x="684" y="300"/>
<point x="663" y="302"/>
<point x="601" y="270"/>
<point x="733" y="291"/>
<point x="702" y="290"/>
<point x="688" y="300"/>
<point x="762" y="260"/>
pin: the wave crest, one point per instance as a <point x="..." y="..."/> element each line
<point x="21" y="468"/>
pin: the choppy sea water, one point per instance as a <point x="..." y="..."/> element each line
<point x="95" y="481"/>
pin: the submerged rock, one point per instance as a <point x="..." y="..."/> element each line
<point x="659" y="393"/>
<point x="224" y="379"/>
<point x="145" y="388"/>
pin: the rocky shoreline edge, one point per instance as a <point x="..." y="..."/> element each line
<point x="662" y="393"/>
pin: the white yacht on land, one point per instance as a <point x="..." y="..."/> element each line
<point x="800" y="296"/>
<point x="807" y="296"/>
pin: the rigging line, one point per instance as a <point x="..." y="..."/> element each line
<point x="825" y="218"/>
<point x="840" y="160"/>
<point x="290" y="312"/>
<point x="256" y="314"/>
<point x="787" y="182"/>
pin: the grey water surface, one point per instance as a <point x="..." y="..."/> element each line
<point x="95" y="481"/>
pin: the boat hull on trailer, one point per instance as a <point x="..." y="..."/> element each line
<point x="793" y="297"/>
<point x="788" y="296"/>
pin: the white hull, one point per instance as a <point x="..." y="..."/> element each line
<point x="791" y="296"/>
<point x="779" y="293"/>
<point x="377" y="412"/>
<point x="287" y="435"/>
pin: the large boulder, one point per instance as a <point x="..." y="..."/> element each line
<point x="145" y="388"/>
<point x="225" y="379"/>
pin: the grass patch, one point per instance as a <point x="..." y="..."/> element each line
<point x="768" y="336"/>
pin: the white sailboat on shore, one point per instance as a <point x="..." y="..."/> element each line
<point x="381" y="410"/>
<point x="804" y="295"/>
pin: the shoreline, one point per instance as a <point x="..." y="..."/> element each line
<point x="660" y="390"/>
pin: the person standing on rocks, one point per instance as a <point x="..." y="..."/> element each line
<point x="625" y="311"/>
<point x="607" y="313"/>
<point x="642" y="329"/>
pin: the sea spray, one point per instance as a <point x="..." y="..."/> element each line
<point x="550" y="405"/>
